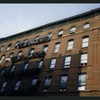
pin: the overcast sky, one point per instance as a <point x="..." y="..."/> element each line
<point x="15" y="18"/>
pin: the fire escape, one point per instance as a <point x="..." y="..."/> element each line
<point x="14" y="73"/>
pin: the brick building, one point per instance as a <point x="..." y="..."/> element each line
<point x="59" y="58"/>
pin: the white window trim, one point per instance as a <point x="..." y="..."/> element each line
<point x="70" y="45"/>
<point x="53" y="64"/>
<point x="69" y="62"/>
<point x="57" y="47"/>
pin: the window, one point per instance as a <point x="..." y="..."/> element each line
<point x="10" y="56"/>
<point x="81" y="82"/>
<point x="9" y="46"/>
<point x="60" y="33"/>
<point x="56" y="48"/>
<point x="70" y="44"/>
<point x="63" y="82"/>
<point x="2" y="58"/>
<point x="25" y="42"/>
<point x="2" y="47"/>
<point x="1" y="72"/>
<point x="49" y="35"/>
<point x="3" y="86"/>
<point x="85" y="41"/>
<point x="36" y="39"/>
<point x="53" y="62"/>
<point x="84" y="59"/>
<point x="45" y="48"/>
<point x="17" y="85"/>
<point x="31" y="51"/>
<point x="26" y="66"/>
<point x="40" y="64"/>
<point x="73" y="30"/>
<point x="67" y="62"/>
<point x="13" y="68"/>
<point x="17" y="43"/>
<point x="34" y="82"/>
<point x="20" y="53"/>
<point x="47" y="83"/>
<point x="86" y="25"/>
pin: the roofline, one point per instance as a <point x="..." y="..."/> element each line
<point x="69" y="19"/>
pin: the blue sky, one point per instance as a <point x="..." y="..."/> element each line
<point x="15" y="18"/>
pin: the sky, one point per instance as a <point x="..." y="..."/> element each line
<point x="15" y="18"/>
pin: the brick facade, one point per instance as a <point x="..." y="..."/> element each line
<point x="91" y="69"/>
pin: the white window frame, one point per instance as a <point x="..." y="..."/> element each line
<point x="2" y="47"/>
<point x="84" y="59"/>
<point x="2" y="58"/>
<point x="20" y="53"/>
<point x="49" y="35"/>
<point x="86" y="25"/>
<point x="40" y="64"/>
<point x="67" y="62"/>
<point x="45" y="48"/>
<point x="60" y="33"/>
<point x="57" y="47"/>
<point x="73" y="30"/>
<point x="26" y="66"/>
<point x="53" y="63"/>
<point x="9" y="46"/>
<point x="85" y="42"/>
<point x="17" y="43"/>
<point x="13" y="68"/>
<point x="3" y="86"/>
<point x="18" y="83"/>
<point x="70" y="45"/>
<point x="82" y="82"/>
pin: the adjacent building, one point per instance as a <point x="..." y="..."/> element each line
<point x="59" y="58"/>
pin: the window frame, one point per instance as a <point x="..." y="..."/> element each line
<point x="1" y="48"/>
<point x="72" y="45"/>
<point x="9" y="46"/>
<point x="73" y="29"/>
<point x="85" y="27"/>
<point x="46" y="87"/>
<point x="56" y="47"/>
<point x="31" y="52"/>
<point x="12" y="68"/>
<point x="80" y="84"/>
<point x="3" y="87"/>
<point x="63" y="88"/>
<point x="68" y="65"/>
<point x="83" y="64"/>
<point x="49" y="35"/>
<point x="45" y="47"/>
<point x="40" y="66"/>
<point x="60" y="32"/>
<point x="17" y="85"/>
<point x="26" y="65"/>
<point x="53" y="64"/>
<point x="2" y="58"/>
<point x="83" y="43"/>
<point x="33" y="85"/>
